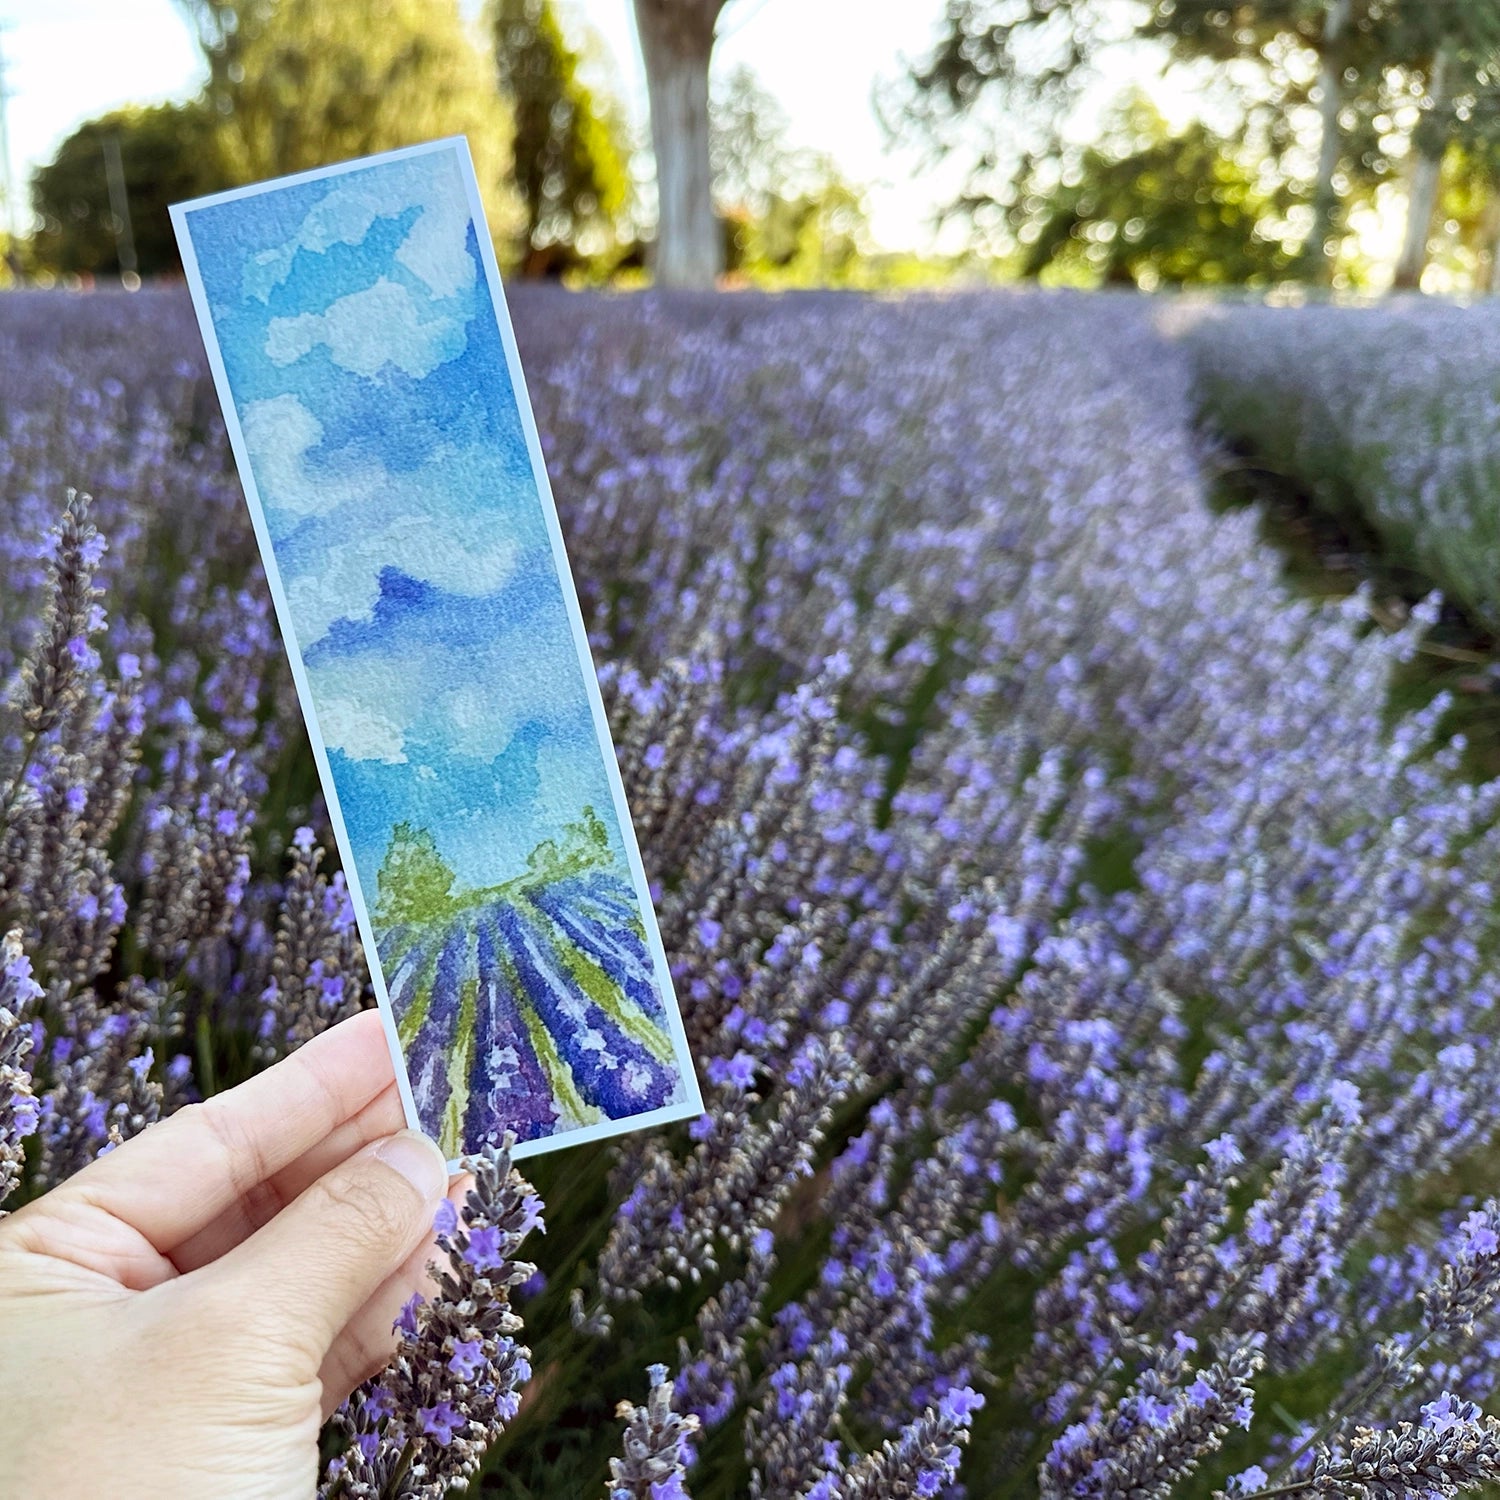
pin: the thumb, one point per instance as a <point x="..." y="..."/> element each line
<point x="302" y="1276"/>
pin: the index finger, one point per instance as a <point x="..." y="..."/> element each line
<point x="183" y="1173"/>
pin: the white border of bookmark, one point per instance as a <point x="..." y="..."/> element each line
<point x="459" y="146"/>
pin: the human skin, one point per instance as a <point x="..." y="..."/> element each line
<point x="177" y="1319"/>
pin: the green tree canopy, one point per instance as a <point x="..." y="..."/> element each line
<point x="167" y="153"/>
<point x="1152" y="208"/>
<point x="569" y="159"/>
<point x="997" y="88"/>
<point x="1325" y="91"/>
<point x="296" y="84"/>
<point x="415" y="882"/>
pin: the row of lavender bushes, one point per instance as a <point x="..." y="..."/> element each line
<point x="1386" y="416"/>
<point x="1093" y="995"/>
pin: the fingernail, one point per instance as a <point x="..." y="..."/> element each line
<point x="417" y="1158"/>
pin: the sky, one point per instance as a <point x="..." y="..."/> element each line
<point x="418" y="570"/>
<point x="66" y="61"/>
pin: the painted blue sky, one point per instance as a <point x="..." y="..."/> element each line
<point x="371" y="384"/>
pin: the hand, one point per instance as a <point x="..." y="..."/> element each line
<point x="179" y="1317"/>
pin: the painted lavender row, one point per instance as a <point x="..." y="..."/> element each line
<point x="506" y="1012"/>
<point x="1388" y="414"/>
<point x="1086" y="981"/>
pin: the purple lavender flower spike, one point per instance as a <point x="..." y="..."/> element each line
<point x="655" y="1441"/>
<point x="455" y="1381"/>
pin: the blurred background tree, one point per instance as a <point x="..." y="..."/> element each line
<point x="295" y="84"/>
<point x="1448" y="56"/>
<point x="1333" y="42"/>
<point x="996" y="92"/>
<point x="1150" y="207"/>
<point x="1343" y="144"/>
<point x="1328" y="97"/>
<point x="570" y="148"/>
<point x="166" y="153"/>
<point x="788" y="217"/>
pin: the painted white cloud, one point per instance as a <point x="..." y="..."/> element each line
<point x="458" y="554"/>
<point x="279" y="431"/>
<point x="481" y="716"/>
<point x="366" y="702"/>
<point x="433" y="249"/>
<point x="369" y="329"/>
<point x="519" y="675"/>
<point x="360" y="732"/>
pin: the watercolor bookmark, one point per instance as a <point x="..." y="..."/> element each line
<point x="358" y="336"/>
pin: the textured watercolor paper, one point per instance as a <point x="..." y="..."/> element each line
<point x="365" y="362"/>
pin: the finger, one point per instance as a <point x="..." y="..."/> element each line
<point x="368" y="1339"/>
<point x="381" y="1117"/>
<point x="304" y="1276"/>
<point x="174" y="1178"/>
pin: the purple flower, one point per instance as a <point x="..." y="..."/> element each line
<point x="406" y="1319"/>
<point x="439" y="1422"/>
<point x="737" y="1071"/>
<point x="961" y="1403"/>
<point x="379" y="1404"/>
<point x="1479" y="1234"/>
<point x="484" y="1251"/>
<point x="1448" y="1411"/>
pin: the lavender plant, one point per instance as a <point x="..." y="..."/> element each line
<point x="1091" y="975"/>
<point x="1384" y="415"/>
<point x="656" y="1443"/>
<point x="422" y="1426"/>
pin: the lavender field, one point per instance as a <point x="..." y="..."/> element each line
<point x="1389" y="416"/>
<point x="1091" y="977"/>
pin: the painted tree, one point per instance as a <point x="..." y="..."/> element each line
<point x="295" y="84"/>
<point x="415" y="883"/>
<point x="568" y="153"/>
<point x="677" y="42"/>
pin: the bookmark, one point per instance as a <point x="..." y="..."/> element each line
<point x="372" y="390"/>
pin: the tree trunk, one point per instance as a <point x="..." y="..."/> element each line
<point x="1422" y="191"/>
<point x="1319" y="252"/>
<point x="677" y="39"/>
